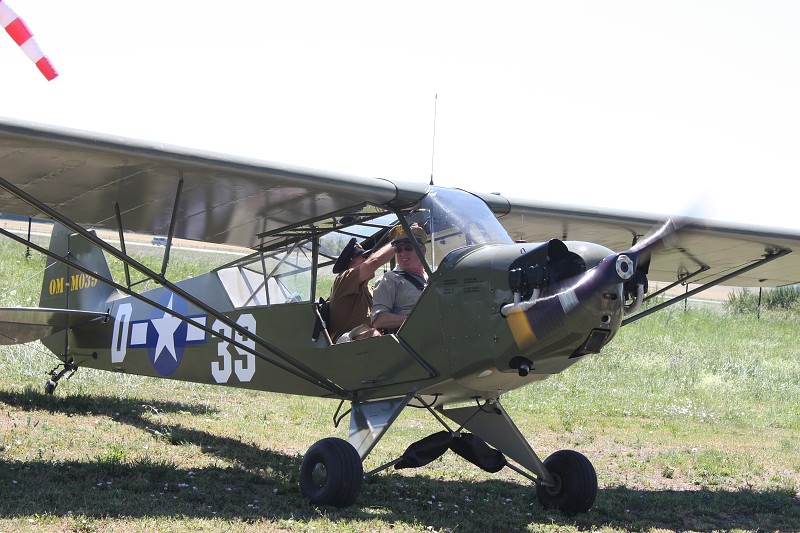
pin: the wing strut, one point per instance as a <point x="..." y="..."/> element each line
<point x="295" y="367"/>
<point x="172" y="226"/>
<point x="121" y="244"/>
<point x="682" y="279"/>
<point x="763" y="261"/>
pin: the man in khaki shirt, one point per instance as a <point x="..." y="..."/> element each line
<point x="351" y="295"/>
<point x="398" y="290"/>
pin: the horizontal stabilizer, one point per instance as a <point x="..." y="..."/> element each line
<point x="19" y="325"/>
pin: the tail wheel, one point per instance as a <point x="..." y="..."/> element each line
<point x="331" y="473"/>
<point x="576" y="483"/>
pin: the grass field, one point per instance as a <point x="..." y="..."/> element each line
<point x="690" y="418"/>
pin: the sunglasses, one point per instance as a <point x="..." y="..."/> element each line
<point x="406" y="248"/>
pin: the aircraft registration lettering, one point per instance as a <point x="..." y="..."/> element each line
<point x="76" y="283"/>
<point x="56" y="286"/>
<point x="243" y="367"/>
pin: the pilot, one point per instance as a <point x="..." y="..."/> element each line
<point x="397" y="292"/>
<point x="351" y="294"/>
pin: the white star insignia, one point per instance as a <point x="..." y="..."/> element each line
<point x="166" y="327"/>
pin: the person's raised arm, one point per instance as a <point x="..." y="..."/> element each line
<point x="366" y="270"/>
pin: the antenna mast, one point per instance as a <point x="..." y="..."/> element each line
<point x="433" y="148"/>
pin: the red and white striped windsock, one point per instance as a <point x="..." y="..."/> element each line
<point x="18" y="31"/>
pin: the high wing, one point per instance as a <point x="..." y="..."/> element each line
<point x="701" y="252"/>
<point x="214" y="198"/>
<point x="256" y="204"/>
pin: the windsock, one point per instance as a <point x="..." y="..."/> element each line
<point x="18" y="31"/>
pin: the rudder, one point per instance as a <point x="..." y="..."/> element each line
<point x="68" y="288"/>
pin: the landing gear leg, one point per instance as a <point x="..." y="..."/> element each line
<point x="331" y="473"/>
<point x="565" y="481"/>
<point x="69" y="367"/>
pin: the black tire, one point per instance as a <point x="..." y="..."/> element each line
<point x="576" y="483"/>
<point x="331" y="473"/>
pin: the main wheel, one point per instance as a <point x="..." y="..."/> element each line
<point x="331" y="473"/>
<point x="576" y="483"/>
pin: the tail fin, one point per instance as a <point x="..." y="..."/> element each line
<point x="67" y="288"/>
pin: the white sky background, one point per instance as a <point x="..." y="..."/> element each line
<point x="648" y="106"/>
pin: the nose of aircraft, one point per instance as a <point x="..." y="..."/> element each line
<point x="553" y="306"/>
<point x="551" y="300"/>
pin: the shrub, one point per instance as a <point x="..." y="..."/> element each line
<point x="745" y="301"/>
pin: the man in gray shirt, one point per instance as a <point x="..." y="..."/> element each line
<point x="397" y="292"/>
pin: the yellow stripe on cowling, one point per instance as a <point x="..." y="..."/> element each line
<point x="521" y="329"/>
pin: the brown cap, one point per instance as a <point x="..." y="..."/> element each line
<point x="399" y="234"/>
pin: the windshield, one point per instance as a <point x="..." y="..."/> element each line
<point x="456" y="219"/>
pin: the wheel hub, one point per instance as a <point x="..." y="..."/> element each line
<point x="319" y="475"/>
<point x="555" y="488"/>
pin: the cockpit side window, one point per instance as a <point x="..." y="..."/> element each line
<point x="276" y="277"/>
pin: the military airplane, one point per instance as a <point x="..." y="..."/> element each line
<point x="518" y="290"/>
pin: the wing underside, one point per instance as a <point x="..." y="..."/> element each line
<point x="202" y="196"/>
<point x="700" y="252"/>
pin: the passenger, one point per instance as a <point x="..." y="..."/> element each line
<point x="397" y="292"/>
<point x="351" y="294"/>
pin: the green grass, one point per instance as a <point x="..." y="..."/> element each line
<point x="691" y="420"/>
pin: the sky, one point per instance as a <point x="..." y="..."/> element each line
<point x="671" y="107"/>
